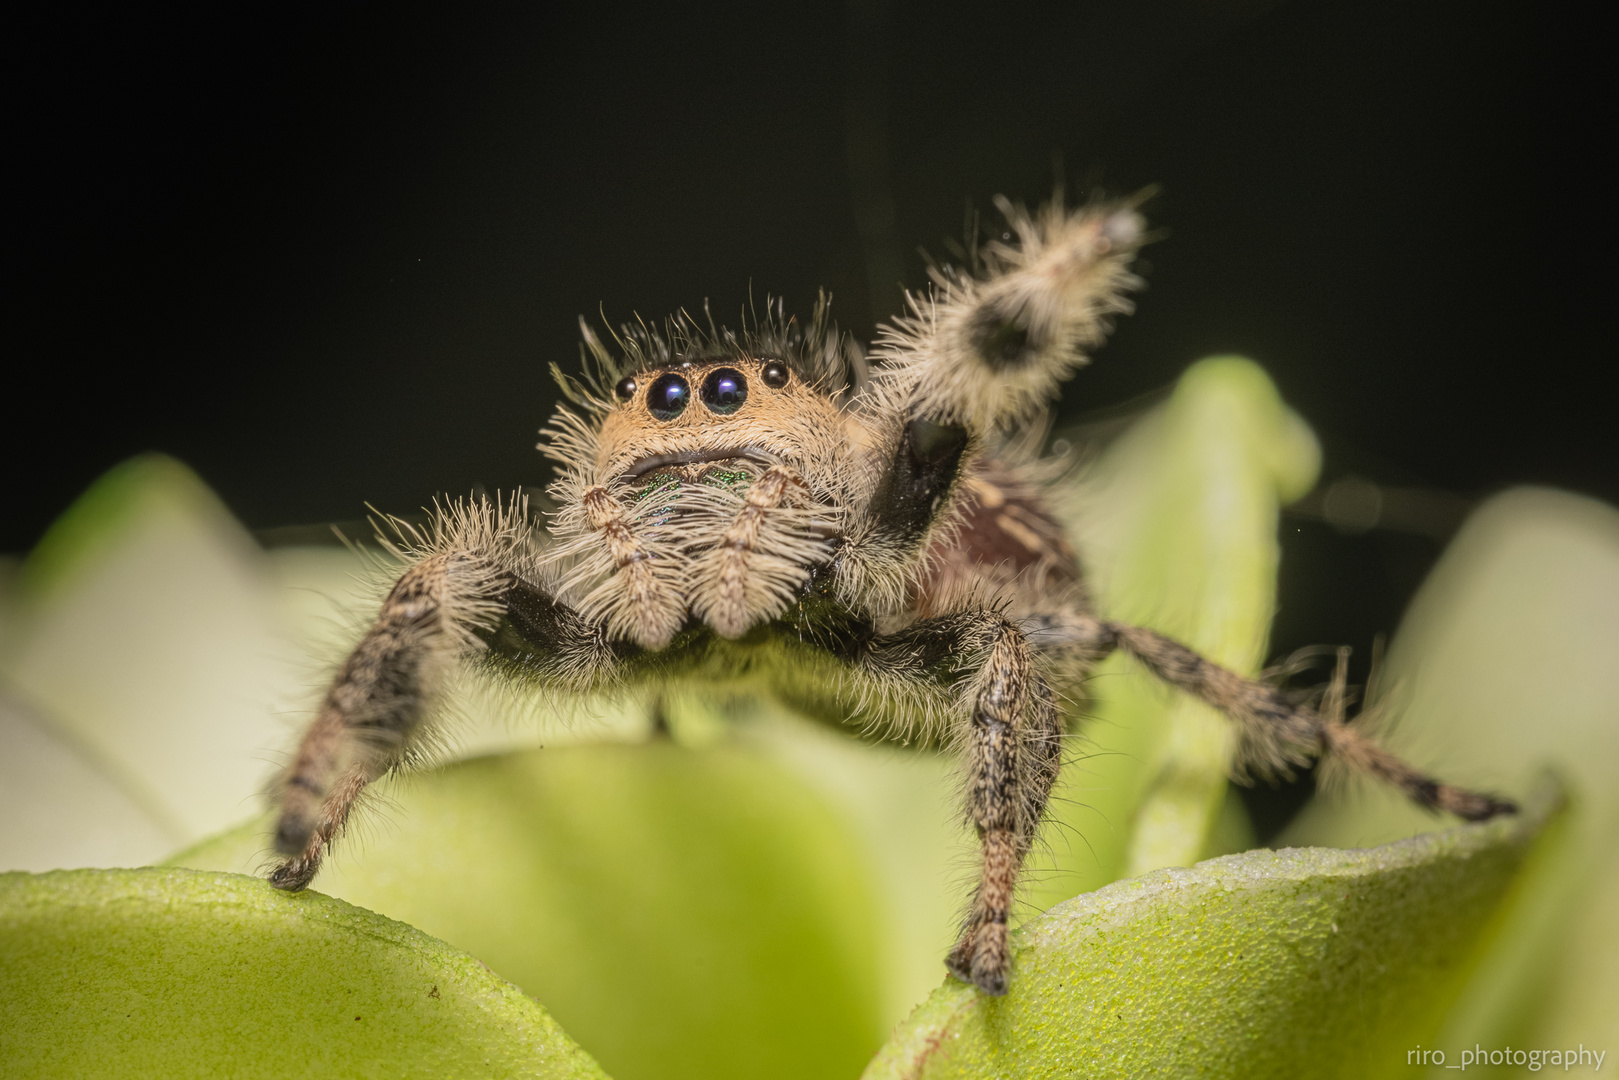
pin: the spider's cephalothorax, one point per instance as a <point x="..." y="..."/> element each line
<point x="861" y="539"/>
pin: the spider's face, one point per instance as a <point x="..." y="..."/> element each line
<point x="695" y="418"/>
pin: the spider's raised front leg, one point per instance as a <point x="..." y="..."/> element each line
<point x="460" y="601"/>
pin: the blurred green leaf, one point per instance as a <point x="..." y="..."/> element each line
<point x="1507" y="661"/>
<point x="681" y="912"/>
<point x="143" y="646"/>
<point x="140" y="973"/>
<point x="1178" y="523"/>
<point x="1267" y="964"/>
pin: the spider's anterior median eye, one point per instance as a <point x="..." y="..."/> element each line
<point x="774" y="374"/>
<point x="724" y="390"/>
<point x="668" y="396"/>
<point x="626" y="388"/>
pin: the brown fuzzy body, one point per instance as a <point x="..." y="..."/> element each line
<point x="872" y="541"/>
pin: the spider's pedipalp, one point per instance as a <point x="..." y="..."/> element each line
<point x="640" y="598"/>
<point x="755" y="567"/>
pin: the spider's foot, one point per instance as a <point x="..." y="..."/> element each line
<point x="982" y="958"/>
<point x="305" y="845"/>
<point x="1476" y="806"/>
<point x="294" y="875"/>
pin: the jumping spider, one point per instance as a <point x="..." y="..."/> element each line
<point x="763" y="506"/>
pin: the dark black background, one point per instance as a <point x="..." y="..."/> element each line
<point x="324" y="254"/>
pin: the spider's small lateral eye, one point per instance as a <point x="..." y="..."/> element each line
<point x="668" y="396"/>
<point x="774" y="374"/>
<point x="724" y="390"/>
<point x="626" y="388"/>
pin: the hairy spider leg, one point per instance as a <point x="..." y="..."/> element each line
<point x="1014" y="753"/>
<point x="450" y="606"/>
<point x="1276" y="733"/>
<point x="373" y="708"/>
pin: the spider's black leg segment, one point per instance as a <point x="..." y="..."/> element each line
<point x="920" y="476"/>
<point x="446" y="607"/>
<point x="539" y="636"/>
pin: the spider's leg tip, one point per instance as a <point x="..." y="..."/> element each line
<point x="290" y="876"/>
<point x="1495" y="807"/>
<point x="992" y="983"/>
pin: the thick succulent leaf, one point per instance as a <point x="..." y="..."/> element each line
<point x="1505" y="662"/>
<point x="681" y="912"/>
<point x="1267" y="964"/>
<point x="142" y="973"/>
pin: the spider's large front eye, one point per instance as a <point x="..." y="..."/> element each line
<point x="724" y="390"/>
<point x="668" y="397"/>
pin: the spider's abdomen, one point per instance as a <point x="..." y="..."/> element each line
<point x="1006" y="533"/>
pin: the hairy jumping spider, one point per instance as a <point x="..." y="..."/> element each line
<point x="861" y="541"/>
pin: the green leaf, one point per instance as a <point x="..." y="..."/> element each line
<point x="681" y="912"/>
<point x="1178" y="523"/>
<point x="1266" y="964"/>
<point x="144" y="660"/>
<point x="1505" y="663"/>
<point x="140" y="973"/>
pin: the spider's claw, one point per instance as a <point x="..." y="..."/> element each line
<point x="985" y="968"/>
<point x="1473" y="806"/>
<point x="294" y="875"/>
<point x="298" y="837"/>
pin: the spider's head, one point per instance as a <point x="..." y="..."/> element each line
<point x="711" y="418"/>
<point x="691" y="448"/>
<point x="706" y="405"/>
